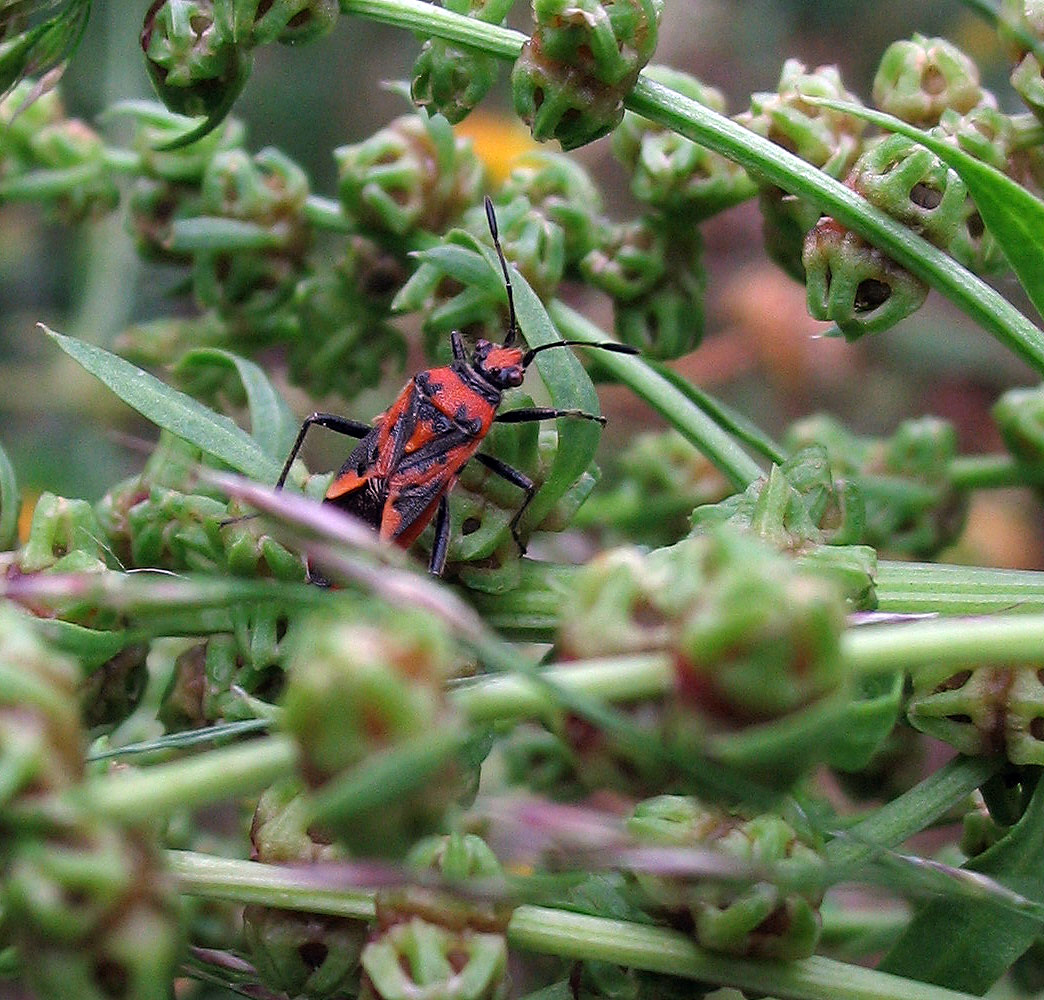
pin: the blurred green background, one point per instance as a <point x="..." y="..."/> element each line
<point x="65" y="434"/>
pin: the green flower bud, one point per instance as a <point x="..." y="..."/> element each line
<point x="194" y="58"/>
<point x="988" y="135"/>
<point x="911" y="507"/>
<point x="414" y="174"/>
<point x="762" y="919"/>
<point x="671" y="172"/>
<point x="460" y="858"/>
<point x="912" y="185"/>
<point x="1027" y="80"/>
<point x="1019" y="416"/>
<point x="628" y="261"/>
<point x="156" y="127"/>
<point x="855" y="285"/>
<point x="660" y="478"/>
<point x="666" y="322"/>
<point x="532" y="242"/>
<point x="41" y="738"/>
<point x="421" y="959"/>
<point x="359" y="688"/>
<point x="450" y="80"/>
<point x="983" y="710"/>
<point x="560" y="190"/>
<point x="311" y="955"/>
<point x="95" y="914"/>
<point x="583" y="58"/>
<point x="64" y="536"/>
<point x="267" y="192"/>
<point x="153" y="206"/>
<point x="918" y="80"/>
<point x="828" y="139"/>
<point x="292" y="21"/>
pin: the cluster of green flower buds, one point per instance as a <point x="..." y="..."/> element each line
<point x="365" y="687"/>
<point x="675" y="174"/>
<point x="301" y="954"/>
<point x="983" y="710"/>
<point x="198" y="53"/>
<point x="660" y="478"/>
<point x="764" y="918"/>
<point x="911" y="505"/>
<point x="1026" y="76"/>
<point x="801" y="509"/>
<point x="753" y="637"/>
<point x="450" y="79"/>
<point x="581" y="61"/>
<point x="50" y="159"/>
<point x="86" y="903"/>
<point x="828" y="139"/>
<point x="1019" y="416"/>
<point x="415" y="174"/>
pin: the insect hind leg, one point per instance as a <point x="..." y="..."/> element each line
<point x="331" y="421"/>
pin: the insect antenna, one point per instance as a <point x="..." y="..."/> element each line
<point x="608" y="345"/>
<point x="491" y="218"/>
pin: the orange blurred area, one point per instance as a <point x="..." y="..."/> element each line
<point x="498" y="140"/>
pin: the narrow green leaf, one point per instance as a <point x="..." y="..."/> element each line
<point x="173" y="410"/>
<point x="1013" y="215"/>
<point x="966" y="944"/>
<point x="272" y="423"/>
<point x="10" y="501"/>
<point x="469" y="267"/>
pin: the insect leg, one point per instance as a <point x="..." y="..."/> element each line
<point x="440" y="545"/>
<point x="516" y="478"/>
<point x="342" y="425"/>
<point x="526" y="414"/>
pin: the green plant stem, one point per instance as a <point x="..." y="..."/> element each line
<point x="159" y="790"/>
<point x="557" y="932"/>
<point x="778" y="166"/>
<point x="957" y="590"/>
<point x="624" y="678"/>
<point x="578" y="936"/>
<point x="268" y="885"/>
<point x="909" y="645"/>
<point x="665" y="398"/>
<point x="971" y="472"/>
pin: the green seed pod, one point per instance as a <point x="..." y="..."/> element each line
<point x="560" y="190"/>
<point x="983" y="710"/>
<point x="912" y="185"/>
<point x="312" y="955"/>
<point x="855" y="285"/>
<point x="414" y="174"/>
<point x="194" y="54"/>
<point x="583" y="58"/>
<point x="671" y="172"/>
<point x="762" y="919"/>
<point x="417" y="958"/>
<point x="629" y="259"/>
<point x="292" y="21"/>
<point x="41" y="738"/>
<point x="267" y="194"/>
<point x="917" y="80"/>
<point x="363" y="686"/>
<point x="94" y="915"/>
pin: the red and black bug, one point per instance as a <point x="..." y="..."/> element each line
<point x="399" y="474"/>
